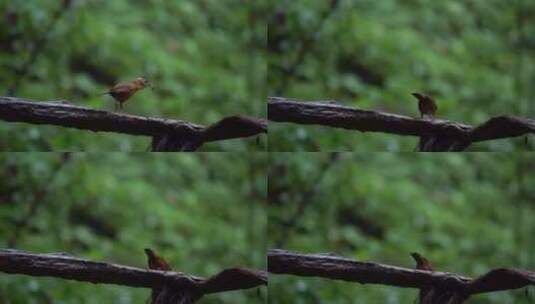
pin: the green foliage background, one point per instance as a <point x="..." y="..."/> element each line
<point x="202" y="212"/>
<point x="467" y="213"/>
<point x="475" y="57"/>
<point x="205" y="58"/>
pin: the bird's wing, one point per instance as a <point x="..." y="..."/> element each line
<point x="122" y="88"/>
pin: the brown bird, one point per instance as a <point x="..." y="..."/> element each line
<point x="155" y="262"/>
<point x="122" y="91"/>
<point x="421" y="262"/>
<point x="426" y="105"/>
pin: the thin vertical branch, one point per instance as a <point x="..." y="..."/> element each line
<point x="305" y="47"/>
<point x="38" y="47"/>
<point x="38" y="199"/>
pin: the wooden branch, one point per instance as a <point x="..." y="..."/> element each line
<point x="338" y="268"/>
<point x="72" y="268"/>
<point x="435" y="135"/>
<point x="168" y="134"/>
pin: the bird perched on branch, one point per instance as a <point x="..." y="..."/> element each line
<point x="122" y="91"/>
<point x="426" y="105"/>
<point x="426" y="293"/>
<point x="156" y="262"/>
<point x="421" y="262"/>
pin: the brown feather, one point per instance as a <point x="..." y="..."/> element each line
<point x="421" y="262"/>
<point x="124" y="90"/>
<point x="426" y="105"/>
<point x="155" y="262"/>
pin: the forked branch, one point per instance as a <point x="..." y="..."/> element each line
<point x="444" y="285"/>
<point x="435" y="135"/>
<point x="167" y="134"/>
<point x="64" y="266"/>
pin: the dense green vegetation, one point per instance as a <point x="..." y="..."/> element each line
<point x="468" y="213"/>
<point x="203" y="213"/>
<point x="203" y="56"/>
<point x="208" y="59"/>
<point x="476" y="58"/>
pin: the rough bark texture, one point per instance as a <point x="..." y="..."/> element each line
<point x="175" y="287"/>
<point x="435" y="135"/>
<point x="171" y="295"/>
<point x="443" y="287"/>
<point x="167" y="134"/>
<point x="227" y="128"/>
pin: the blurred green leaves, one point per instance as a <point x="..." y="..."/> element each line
<point x="202" y="212"/>
<point x="468" y="213"/>
<point x="203" y="57"/>
<point x="475" y="57"/>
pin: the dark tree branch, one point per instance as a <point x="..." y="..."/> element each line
<point x="435" y="135"/>
<point x="339" y="268"/>
<point x="72" y="268"/>
<point x="456" y="287"/>
<point x="168" y="134"/>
